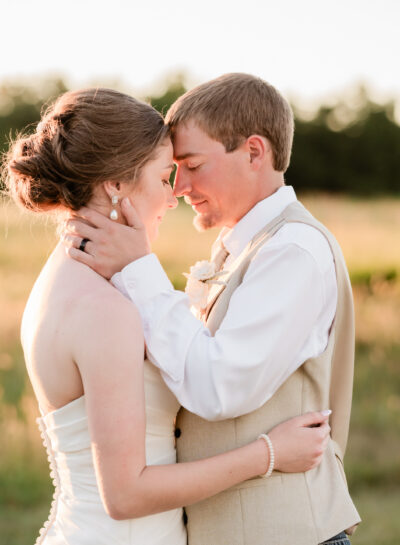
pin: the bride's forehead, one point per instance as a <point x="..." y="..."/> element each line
<point x="164" y="155"/>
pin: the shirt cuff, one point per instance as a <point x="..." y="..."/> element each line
<point x="144" y="278"/>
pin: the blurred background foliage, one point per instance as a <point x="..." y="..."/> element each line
<point x="345" y="166"/>
<point x="351" y="146"/>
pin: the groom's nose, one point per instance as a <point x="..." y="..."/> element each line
<point x="182" y="184"/>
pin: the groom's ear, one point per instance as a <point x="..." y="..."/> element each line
<point x="258" y="149"/>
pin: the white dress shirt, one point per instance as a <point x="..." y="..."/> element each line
<point x="277" y="318"/>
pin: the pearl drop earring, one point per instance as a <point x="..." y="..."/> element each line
<point x="114" y="213"/>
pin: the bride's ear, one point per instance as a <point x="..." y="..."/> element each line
<point x="113" y="188"/>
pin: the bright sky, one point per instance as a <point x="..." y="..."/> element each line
<point x="309" y="49"/>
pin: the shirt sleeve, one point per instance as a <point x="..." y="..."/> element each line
<point x="257" y="345"/>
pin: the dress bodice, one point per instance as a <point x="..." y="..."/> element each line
<point x="77" y="516"/>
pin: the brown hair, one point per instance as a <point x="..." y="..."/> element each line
<point x="235" y="106"/>
<point x="87" y="137"/>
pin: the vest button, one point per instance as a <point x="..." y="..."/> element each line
<point x="178" y="432"/>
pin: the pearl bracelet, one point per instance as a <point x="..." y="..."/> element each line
<point x="268" y="442"/>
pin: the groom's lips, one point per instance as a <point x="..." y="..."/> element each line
<point x="197" y="205"/>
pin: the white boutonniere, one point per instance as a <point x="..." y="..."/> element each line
<point x="202" y="275"/>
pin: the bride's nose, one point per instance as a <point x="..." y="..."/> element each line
<point x="172" y="200"/>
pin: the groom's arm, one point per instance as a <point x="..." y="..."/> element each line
<point x="258" y="344"/>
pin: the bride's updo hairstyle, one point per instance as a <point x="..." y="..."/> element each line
<point x="86" y="138"/>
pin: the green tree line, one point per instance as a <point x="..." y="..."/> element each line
<point x="341" y="148"/>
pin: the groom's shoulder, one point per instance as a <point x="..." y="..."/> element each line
<point x="306" y="237"/>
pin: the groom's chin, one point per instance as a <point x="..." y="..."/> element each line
<point x="199" y="224"/>
<point x="202" y="222"/>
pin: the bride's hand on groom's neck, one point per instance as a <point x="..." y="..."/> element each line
<point x="110" y="246"/>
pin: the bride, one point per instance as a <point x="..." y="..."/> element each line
<point x="107" y="419"/>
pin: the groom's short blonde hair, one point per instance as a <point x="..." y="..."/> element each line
<point x="233" y="107"/>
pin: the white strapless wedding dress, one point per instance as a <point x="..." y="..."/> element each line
<point x="77" y="515"/>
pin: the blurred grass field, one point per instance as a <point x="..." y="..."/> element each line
<point x="369" y="233"/>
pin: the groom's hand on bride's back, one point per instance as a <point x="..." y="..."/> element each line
<point x="109" y="246"/>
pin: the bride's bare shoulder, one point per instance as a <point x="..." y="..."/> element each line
<point x="101" y="301"/>
<point x="88" y="303"/>
<point x="100" y="323"/>
<point x="86" y="292"/>
<point x="105" y="327"/>
<point x="106" y="299"/>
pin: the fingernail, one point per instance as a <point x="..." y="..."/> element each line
<point x="327" y="412"/>
<point x="127" y="202"/>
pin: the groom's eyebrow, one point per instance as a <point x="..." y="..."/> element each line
<point x="184" y="156"/>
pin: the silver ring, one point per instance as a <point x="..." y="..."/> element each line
<point x="82" y="245"/>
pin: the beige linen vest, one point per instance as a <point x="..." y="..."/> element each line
<point x="286" y="509"/>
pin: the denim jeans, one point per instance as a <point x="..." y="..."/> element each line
<point x="340" y="539"/>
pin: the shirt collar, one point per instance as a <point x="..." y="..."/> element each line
<point x="236" y="239"/>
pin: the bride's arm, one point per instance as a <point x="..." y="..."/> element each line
<point x="108" y="349"/>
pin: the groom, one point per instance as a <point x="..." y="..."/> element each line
<point x="277" y="335"/>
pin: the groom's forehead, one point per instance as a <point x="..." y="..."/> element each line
<point x="189" y="139"/>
